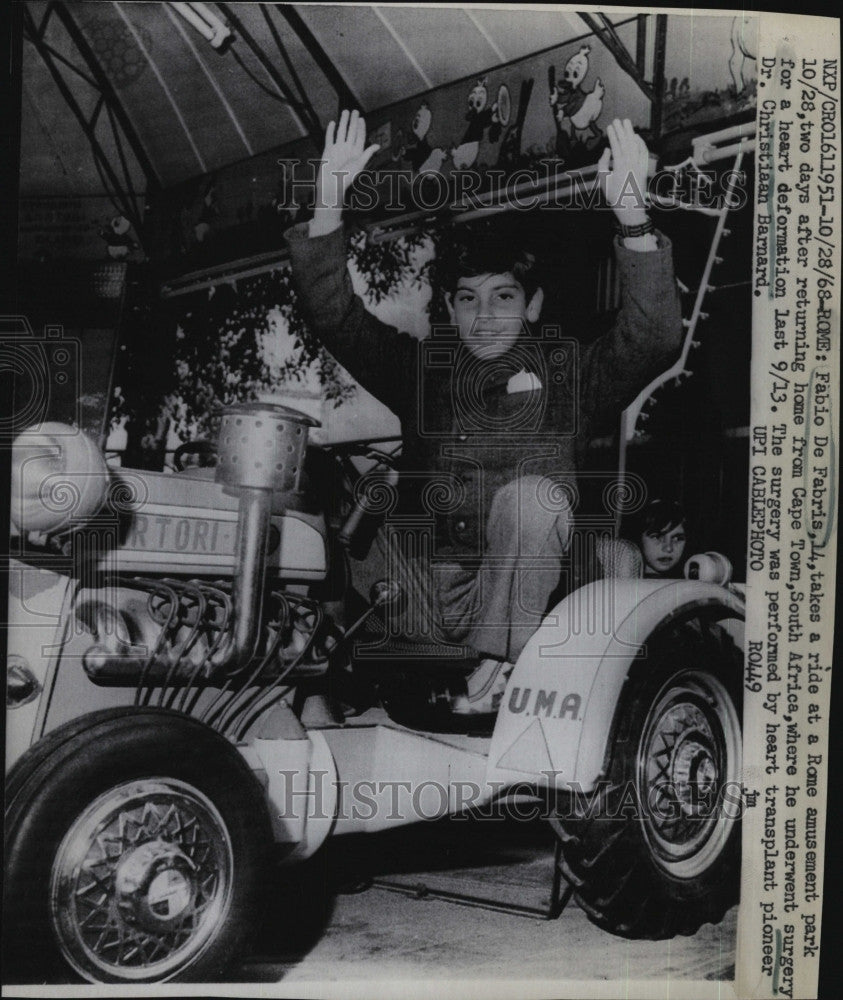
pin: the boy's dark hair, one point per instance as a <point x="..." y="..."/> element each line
<point x="489" y="254"/>
<point x="657" y="517"/>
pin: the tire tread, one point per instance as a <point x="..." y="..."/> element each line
<point x="603" y="858"/>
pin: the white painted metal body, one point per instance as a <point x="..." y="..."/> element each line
<point x="557" y="712"/>
<point x="552" y="731"/>
<point x="370" y="774"/>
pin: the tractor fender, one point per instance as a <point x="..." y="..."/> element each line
<point x="558" y="709"/>
<point x="299" y="776"/>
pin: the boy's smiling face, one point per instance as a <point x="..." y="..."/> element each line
<point x="489" y="310"/>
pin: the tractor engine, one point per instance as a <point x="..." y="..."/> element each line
<point x="185" y="588"/>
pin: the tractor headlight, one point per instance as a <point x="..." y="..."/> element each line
<point x="59" y="478"/>
<point x="22" y="685"/>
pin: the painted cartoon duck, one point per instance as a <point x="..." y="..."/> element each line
<point x="570" y="103"/>
<point x="481" y="119"/>
<point x="421" y="156"/>
<point x="208" y="213"/>
<point x="117" y="238"/>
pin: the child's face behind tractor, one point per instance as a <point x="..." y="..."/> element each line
<point x="662" y="550"/>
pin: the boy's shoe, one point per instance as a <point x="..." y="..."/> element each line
<point x="486" y="686"/>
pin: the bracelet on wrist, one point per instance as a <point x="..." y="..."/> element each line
<point x="629" y="232"/>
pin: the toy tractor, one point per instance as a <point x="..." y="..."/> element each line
<point x="188" y="704"/>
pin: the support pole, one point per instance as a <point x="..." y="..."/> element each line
<point x="641" y="44"/>
<point x="611" y="40"/>
<point x="658" y="75"/>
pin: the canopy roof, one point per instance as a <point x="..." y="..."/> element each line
<point x="195" y="109"/>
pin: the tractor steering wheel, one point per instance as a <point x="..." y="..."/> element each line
<point x="206" y="450"/>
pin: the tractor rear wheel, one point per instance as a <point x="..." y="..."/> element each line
<point x="655" y="851"/>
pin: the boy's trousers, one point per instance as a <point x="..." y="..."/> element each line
<point x="495" y="602"/>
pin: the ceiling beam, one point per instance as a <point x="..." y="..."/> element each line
<point x="62" y="59"/>
<point x="346" y="96"/>
<point x="42" y="27"/>
<point x="610" y="38"/>
<point x="104" y="86"/>
<point x="291" y="69"/>
<point x="295" y="105"/>
<point x="120" y="193"/>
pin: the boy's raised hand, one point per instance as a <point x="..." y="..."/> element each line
<point x="344" y="156"/>
<point x="623" y="169"/>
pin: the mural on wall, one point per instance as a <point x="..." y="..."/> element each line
<point x="67" y="228"/>
<point x="475" y="129"/>
<point x="484" y="122"/>
<point x="117" y="235"/>
<point x="575" y="109"/>
<point x="510" y="155"/>
<point x="502" y="121"/>
<point x="417" y="151"/>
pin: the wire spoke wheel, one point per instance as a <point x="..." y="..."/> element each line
<point x="141" y="880"/>
<point x="137" y="844"/>
<point x="671" y="863"/>
<point x="690" y="749"/>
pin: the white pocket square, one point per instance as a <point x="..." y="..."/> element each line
<point x="523" y="381"/>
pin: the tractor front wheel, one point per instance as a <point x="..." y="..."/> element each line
<point x="136" y="847"/>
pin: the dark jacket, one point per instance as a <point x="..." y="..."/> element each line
<point x="464" y="434"/>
